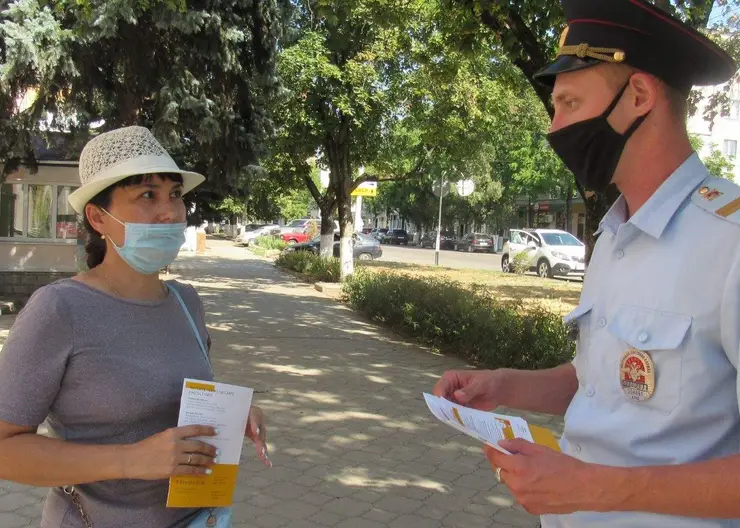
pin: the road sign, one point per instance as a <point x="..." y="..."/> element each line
<point x="367" y="189"/>
<point x="465" y="187"/>
<point x="445" y="188"/>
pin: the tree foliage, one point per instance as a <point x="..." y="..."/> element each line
<point x="527" y="33"/>
<point x="198" y="75"/>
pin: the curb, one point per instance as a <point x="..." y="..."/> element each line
<point x="271" y="255"/>
<point x="333" y="288"/>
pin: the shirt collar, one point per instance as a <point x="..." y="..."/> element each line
<point x="654" y="216"/>
<point x="616" y="216"/>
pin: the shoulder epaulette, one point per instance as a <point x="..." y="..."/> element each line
<point x="719" y="197"/>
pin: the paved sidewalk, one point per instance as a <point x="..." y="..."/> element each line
<point x="352" y="442"/>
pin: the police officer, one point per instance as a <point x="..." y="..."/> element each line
<point x="652" y="427"/>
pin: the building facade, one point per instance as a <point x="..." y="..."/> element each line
<point x="38" y="228"/>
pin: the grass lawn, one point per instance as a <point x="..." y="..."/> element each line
<point x="557" y="295"/>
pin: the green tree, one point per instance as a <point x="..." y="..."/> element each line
<point x="716" y="162"/>
<point x="232" y="208"/>
<point x="719" y="165"/>
<point x="527" y="33"/>
<point x="297" y="202"/>
<point x="198" y="75"/>
<point x="513" y="161"/>
<point x="360" y="83"/>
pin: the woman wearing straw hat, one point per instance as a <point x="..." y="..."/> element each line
<point x="104" y="354"/>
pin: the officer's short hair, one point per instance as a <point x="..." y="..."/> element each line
<point x="617" y="74"/>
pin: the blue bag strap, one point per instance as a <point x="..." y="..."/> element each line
<point x="190" y="320"/>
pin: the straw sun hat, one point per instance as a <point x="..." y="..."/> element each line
<point x="114" y="156"/>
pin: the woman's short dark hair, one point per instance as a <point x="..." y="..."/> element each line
<point x="95" y="245"/>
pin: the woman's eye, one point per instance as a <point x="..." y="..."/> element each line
<point x="148" y="194"/>
<point x="177" y="193"/>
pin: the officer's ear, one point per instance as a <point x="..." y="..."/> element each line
<point x="642" y="94"/>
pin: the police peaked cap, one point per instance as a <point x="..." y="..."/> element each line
<point x="638" y="34"/>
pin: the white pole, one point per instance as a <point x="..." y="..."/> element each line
<point x="439" y="223"/>
<point x="358" y="214"/>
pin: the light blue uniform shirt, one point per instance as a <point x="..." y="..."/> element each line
<point x="666" y="281"/>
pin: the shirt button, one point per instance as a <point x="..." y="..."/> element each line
<point x="590" y="392"/>
<point x="602" y="322"/>
<point x="620" y="253"/>
<point x="643" y="337"/>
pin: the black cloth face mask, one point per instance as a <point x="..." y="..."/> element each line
<point x="591" y="148"/>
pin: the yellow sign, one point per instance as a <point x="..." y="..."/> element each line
<point x="367" y="189"/>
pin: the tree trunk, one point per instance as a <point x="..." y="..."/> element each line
<point x="597" y="205"/>
<point x="341" y="180"/>
<point x="569" y="208"/>
<point x="326" y="205"/>
<point x="327" y="229"/>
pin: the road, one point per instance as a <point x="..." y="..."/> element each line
<point x="450" y="259"/>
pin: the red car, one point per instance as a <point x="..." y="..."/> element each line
<point x="297" y="238"/>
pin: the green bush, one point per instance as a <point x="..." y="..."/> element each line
<point x="314" y="267"/>
<point x="520" y="264"/>
<point x="466" y="320"/>
<point x="270" y="242"/>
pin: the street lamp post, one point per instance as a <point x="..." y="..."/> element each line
<point x="441" y="188"/>
<point x="439" y="227"/>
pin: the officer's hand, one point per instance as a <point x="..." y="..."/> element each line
<point x="479" y="389"/>
<point x="543" y="480"/>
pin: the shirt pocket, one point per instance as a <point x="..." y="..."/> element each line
<point x="660" y="334"/>
<point x="578" y="322"/>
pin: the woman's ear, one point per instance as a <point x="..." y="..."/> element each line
<point x="643" y="94"/>
<point x="95" y="216"/>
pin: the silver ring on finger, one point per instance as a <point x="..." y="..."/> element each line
<point x="190" y="458"/>
<point x="498" y="475"/>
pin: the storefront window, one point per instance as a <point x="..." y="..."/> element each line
<point x="66" y="224"/>
<point x="40" y="201"/>
<point x="37" y="212"/>
<point x="11" y="210"/>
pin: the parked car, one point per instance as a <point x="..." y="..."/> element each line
<point x="397" y="237"/>
<point x="247" y="237"/>
<point x="473" y="242"/>
<point x="300" y="225"/>
<point x="250" y="227"/>
<point x="379" y="233"/>
<point x="550" y="252"/>
<point x="446" y="240"/>
<point x="303" y="224"/>
<point x="299" y="237"/>
<point x="365" y="247"/>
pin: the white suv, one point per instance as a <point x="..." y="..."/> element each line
<point x="549" y="252"/>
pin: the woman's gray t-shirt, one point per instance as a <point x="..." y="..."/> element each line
<point x="105" y="371"/>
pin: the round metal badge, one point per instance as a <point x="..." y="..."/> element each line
<point x="637" y="375"/>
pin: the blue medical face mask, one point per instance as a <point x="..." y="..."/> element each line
<point x="148" y="248"/>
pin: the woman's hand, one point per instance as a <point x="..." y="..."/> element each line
<point x="257" y="433"/>
<point x="170" y="453"/>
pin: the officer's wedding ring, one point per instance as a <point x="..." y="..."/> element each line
<point x="190" y="459"/>
<point x="498" y="474"/>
